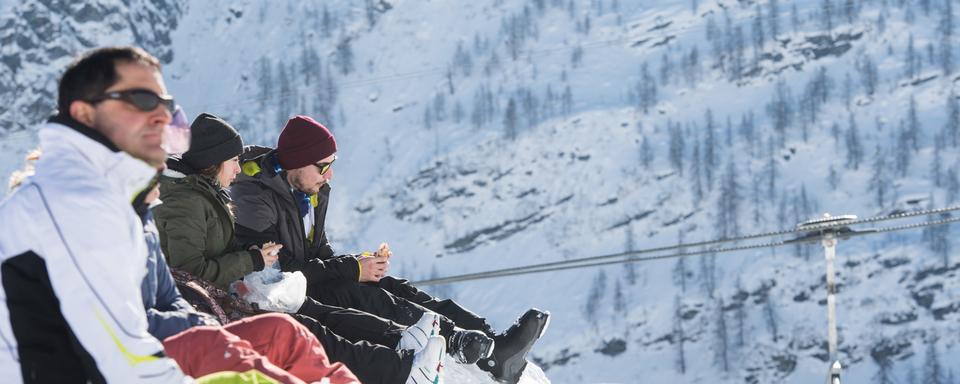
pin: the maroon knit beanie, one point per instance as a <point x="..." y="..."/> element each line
<point x="304" y="141"/>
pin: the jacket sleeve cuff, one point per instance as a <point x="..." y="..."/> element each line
<point x="257" y="258"/>
<point x="359" y="269"/>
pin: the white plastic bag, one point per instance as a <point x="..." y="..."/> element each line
<point x="272" y="290"/>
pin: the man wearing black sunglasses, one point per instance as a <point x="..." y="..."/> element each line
<point x="143" y="99"/>
<point x="282" y="197"/>
<point x="128" y="106"/>
<point x="71" y="249"/>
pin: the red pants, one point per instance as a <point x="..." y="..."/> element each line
<point x="272" y="343"/>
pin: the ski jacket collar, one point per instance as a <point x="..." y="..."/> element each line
<point x="91" y="133"/>
<point x="123" y="173"/>
<point x="269" y="175"/>
<point x="175" y="181"/>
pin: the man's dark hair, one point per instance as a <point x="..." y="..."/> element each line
<point x="92" y="73"/>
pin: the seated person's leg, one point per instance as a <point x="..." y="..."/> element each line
<point x="467" y="346"/>
<point x="376" y="363"/>
<point x="192" y="350"/>
<point x="290" y="346"/>
<point x="461" y="316"/>
<point x="366" y="298"/>
<point x="507" y="359"/>
<point x="353" y="324"/>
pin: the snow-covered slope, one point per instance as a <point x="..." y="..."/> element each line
<point x="489" y="134"/>
<point x="39" y="38"/>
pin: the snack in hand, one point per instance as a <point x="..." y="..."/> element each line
<point x="383" y="250"/>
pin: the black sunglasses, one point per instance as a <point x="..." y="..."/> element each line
<point x="324" y="167"/>
<point x="143" y="99"/>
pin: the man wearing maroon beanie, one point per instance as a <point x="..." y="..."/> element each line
<point x="305" y="142"/>
<point x="282" y="196"/>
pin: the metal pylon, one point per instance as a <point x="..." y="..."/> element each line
<point x="829" y="237"/>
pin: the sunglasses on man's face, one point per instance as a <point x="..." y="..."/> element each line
<point x="324" y="167"/>
<point x="143" y="99"/>
<point x="176" y="135"/>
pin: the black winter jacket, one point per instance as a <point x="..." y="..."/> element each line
<point x="267" y="211"/>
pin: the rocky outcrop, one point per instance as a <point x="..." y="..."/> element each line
<point x="38" y="38"/>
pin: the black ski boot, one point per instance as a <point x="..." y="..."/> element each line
<point x="509" y="357"/>
<point x="467" y="347"/>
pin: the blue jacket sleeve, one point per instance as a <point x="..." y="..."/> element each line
<point x="172" y="314"/>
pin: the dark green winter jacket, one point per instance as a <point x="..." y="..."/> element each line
<point x="197" y="234"/>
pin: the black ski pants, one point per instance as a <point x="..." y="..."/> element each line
<point x="403" y="307"/>
<point x="462" y="317"/>
<point x="372" y="363"/>
<point x="352" y="324"/>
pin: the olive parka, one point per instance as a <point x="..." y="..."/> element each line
<point x="197" y="230"/>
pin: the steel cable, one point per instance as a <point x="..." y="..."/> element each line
<point x="631" y="256"/>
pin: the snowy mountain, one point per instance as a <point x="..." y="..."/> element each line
<point x="39" y="38"/>
<point x="496" y="133"/>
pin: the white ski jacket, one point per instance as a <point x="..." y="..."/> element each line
<point x="75" y="218"/>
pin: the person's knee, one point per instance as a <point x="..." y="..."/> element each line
<point x="204" y="334"/>
<point x="201" y="336"/>
<point x="281" y="324"/>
